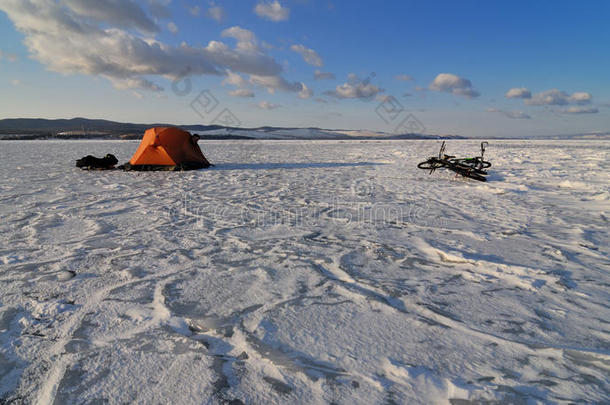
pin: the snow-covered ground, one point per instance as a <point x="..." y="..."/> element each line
<point x="306" y="272"/>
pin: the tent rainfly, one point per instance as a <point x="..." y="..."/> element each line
<point x="168" y="148"/>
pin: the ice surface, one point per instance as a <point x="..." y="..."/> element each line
<point x="306" y="272"/>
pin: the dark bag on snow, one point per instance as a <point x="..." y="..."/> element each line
<point x="91" y="162"/>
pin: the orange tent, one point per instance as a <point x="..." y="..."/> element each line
<point x="168" y="148"/>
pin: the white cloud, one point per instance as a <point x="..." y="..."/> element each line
<point x="69" y="43"/>
<point x="556" y="97"/>
<point x="274" y="83"/>
<point x="404" y="78"/>
<point x="266" y="105"/>
<point x="309" y="55"/>
<point x="518" y="92"/>
<point x="355" y="88"/>
<point x="272" y="11"/>
<point x="266" y="45"/>
<point x="577" y="100"/>
<point x="319" y="75"/>
<point x="305" y="92"/>
<point x="456" y="85"/>
<point x="235" y="79"/>
<point x="550" y="97"/>
<point x="16" y="82"/>
<point x="216" y="13"/>
<point x="246" y="40"/>
<point x="271" y="83"/>
<point x="580" y="110"/>
<point x="194" y="11"/>
<point x="517" y="115"/>
<point x="134" y="83"/>
<point x="520" y="115"/>
<point x="581" y="98"/>
<point x="172" y="27"/>
<point x="122" y="13"/>
<point x="241" y="93"/>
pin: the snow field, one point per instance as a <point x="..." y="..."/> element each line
<point x="306" y="271"/>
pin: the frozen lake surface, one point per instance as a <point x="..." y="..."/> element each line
<point x="306" y="271"/>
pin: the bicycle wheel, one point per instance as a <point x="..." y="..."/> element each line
<point x="430" y="164"/>
<point x="473" y="164"/>
<point x="467" y="171"/>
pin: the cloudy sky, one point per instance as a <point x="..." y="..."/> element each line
<point x="468" y="67"/>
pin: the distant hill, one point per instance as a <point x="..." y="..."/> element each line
<point x="79" y="128"/>
<point x="44" y="126"/>
<point x="37" y="125"/>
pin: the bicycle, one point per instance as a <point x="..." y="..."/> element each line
<point x="468" y="167"/>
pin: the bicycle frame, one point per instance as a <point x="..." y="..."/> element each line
<point x="467" y="167"/>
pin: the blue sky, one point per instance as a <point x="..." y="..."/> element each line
<point x="445" y="67"/>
